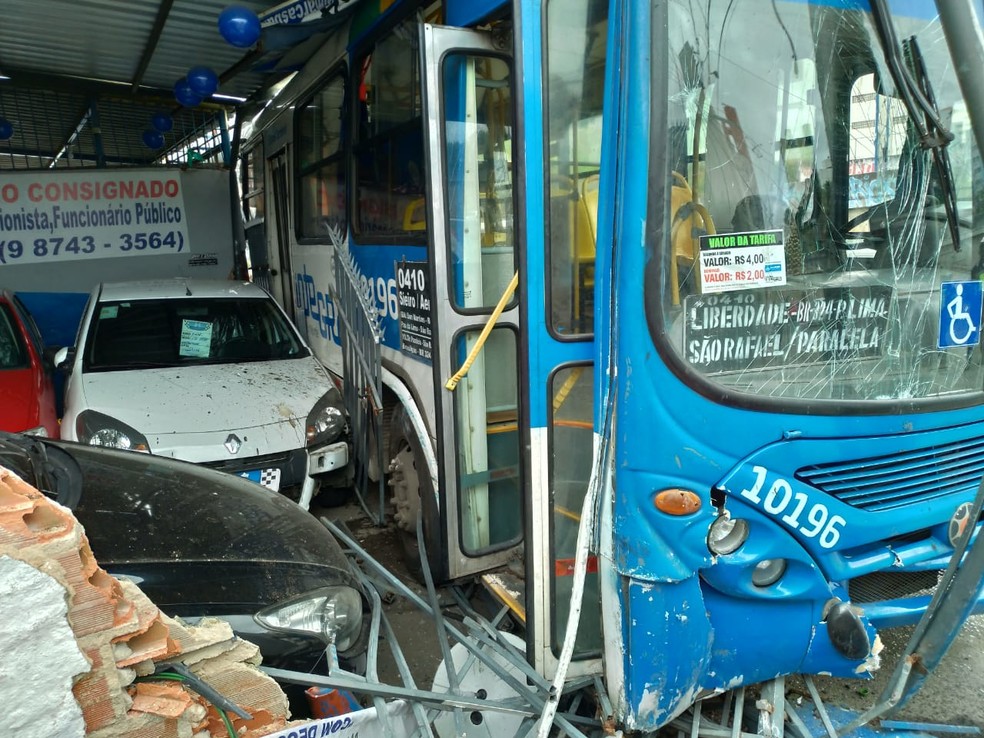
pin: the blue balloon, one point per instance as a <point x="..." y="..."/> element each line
<point x="162" y="122"/>
<point x="153" y="139"/>
<point x="239" y="26"/>
<point x="203" y="81"/>
<point x="6" y="129"/>
<point x="185" y="95"/>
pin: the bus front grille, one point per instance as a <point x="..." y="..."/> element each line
<point x="896" y="480"/>
<point x="892" y="585"/>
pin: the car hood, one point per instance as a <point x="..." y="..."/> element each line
<point x="209" y="398"/>
<point x="189" y="588"/>
<point x="138" y="509"/>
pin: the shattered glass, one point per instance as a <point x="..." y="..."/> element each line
<point x="807" y="252"/>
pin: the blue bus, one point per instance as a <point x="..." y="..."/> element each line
<point x="670" y="314"/>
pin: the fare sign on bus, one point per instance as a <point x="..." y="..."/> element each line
<point x="742" y="261"/>
<point x="784" y="327"/>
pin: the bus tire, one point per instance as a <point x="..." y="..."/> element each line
<point x="411" y="485"/>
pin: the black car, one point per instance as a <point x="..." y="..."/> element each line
<point x="202" y="543"/>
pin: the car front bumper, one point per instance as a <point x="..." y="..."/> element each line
<point x="328" y="458"/>
<point x="290" y="469"/>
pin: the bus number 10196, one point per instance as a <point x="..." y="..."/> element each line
<point x="817" y="522"/>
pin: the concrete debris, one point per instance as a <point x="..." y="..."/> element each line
<point x="117" y="635"/>
<point x="37" y="695"/>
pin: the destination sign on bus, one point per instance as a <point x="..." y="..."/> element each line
<point x="742" y="261"/>
<point x="782" y="327"/>
<point x="414" y="295"/>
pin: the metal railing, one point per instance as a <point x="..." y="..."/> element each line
<point x="361" y="336"/>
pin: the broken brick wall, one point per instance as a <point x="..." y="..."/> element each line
<point x="75" y="640"/>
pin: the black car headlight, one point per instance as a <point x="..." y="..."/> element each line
<point x="326" y="420"/>
<point x="97" y="429"/>
<point x="329" y="613"/>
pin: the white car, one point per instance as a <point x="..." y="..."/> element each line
<point x="211" y="372"/>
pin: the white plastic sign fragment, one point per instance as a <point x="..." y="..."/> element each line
<point x="363" y="723"/>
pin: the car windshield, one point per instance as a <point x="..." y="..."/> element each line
<point x="141" y="334"/>
<point x="821" y="236"/>
<point x="13" y="352"/>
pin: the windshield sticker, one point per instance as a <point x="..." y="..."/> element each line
<point x="960" y="314"/>
<point x="785" y="327"/>
<point x="109" y="311"/>
<point x="742" y="261"/>
<point x="196" y="338"/>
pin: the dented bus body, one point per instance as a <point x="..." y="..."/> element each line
<point x="729" y="404"/>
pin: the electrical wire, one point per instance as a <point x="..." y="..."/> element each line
<point x="178" y="678"/>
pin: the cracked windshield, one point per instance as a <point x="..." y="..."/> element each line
<point x="826" y="211"/>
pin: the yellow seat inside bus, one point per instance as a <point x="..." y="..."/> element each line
<point x="582" y="227"/>
<point x="586" y="230"/>
<point x="690" y="220"/>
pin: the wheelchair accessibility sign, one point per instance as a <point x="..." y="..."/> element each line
<point x="960" y="314"/>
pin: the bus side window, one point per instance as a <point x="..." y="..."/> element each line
<point x="389" y="145"/>
<point x="320" y="148"/>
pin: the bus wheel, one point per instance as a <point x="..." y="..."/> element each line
<point x="411" y="484"/>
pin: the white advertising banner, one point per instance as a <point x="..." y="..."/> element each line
<point x="55" y="217"/>
<point x="299" y="11"/>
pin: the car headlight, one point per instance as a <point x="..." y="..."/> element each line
<point x="97" y="429"/>
<point x="329" y="613"/>
<point x="326" y="420"/>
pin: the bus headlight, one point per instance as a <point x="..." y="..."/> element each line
<point x="846" y="631"/>
<point x="726" y="534"/>
<point x="328" y="613"/>
<point x="768" y="571"/>
<point x="97" y="429"/>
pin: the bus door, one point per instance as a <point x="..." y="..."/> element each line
<point x="560" y="299"/>
<point x="281" y="285"/>
<point x="469" y="114"/>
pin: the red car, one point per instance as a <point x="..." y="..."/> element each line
<point x="27" y="396"/>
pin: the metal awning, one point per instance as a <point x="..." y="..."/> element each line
<point x="82" y="79"/>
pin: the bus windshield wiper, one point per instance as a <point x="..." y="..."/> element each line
<point x="941" y="154"/>
<point x="920" y="103"/>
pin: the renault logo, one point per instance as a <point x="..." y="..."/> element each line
<point x="233" y="444"/>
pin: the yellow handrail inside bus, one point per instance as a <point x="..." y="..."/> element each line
<point x="566" y="387"/>
<point x="489" y="325"/>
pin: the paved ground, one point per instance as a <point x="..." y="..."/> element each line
<point x="415" y="630"/>
<point x="954" y="694"/>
